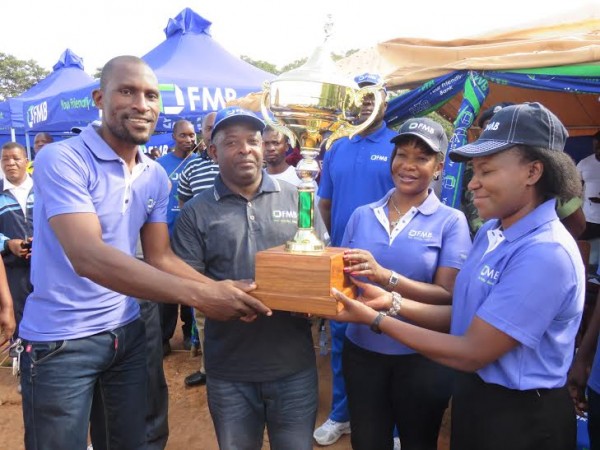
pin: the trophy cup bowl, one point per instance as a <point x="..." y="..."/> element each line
<point x="311" y="105"/>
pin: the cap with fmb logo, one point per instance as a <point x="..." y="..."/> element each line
<point x="368" y="79"/>
<point x="428" y="130"/>
<point x="235" y="114"/>
<point x="530" y="124"/>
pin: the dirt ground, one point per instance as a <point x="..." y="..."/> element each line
<point x="189" y="419"/>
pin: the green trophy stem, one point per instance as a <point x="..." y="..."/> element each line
<point x="306" y="208"/>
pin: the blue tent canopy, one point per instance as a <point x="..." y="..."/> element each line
<point x="196" y="75"/>
<point x="63" y="111"/>
<point x="4" y="117"/>
<point x="67" y="74"/>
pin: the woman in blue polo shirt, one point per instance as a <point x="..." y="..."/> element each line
<point x="413" y="244"/>
<point x="517" y="300"/>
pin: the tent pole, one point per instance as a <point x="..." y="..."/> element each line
<point x="27" y="145"/>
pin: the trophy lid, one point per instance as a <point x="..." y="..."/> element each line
<point x="320" y="67"/>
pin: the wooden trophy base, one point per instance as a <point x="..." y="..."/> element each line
<point x="301" y="282"/>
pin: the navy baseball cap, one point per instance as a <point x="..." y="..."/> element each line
<point x="235" y="114"/>
<point x="530" y="124"/>
<point x="488" y="113"/>
<point x="428" y="130"/>
<point x="368" y="79"/>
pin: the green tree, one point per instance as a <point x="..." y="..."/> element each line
<point x="264" y="65"/>
<point x="17" y="76"/>
<point x="98" y="72"/>
<point x="293" y="65"/>
<point x="337" y="57"/>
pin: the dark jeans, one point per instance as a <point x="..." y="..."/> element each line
<point x="169" y="320"/>
<point x="157" y="425"/>
<point x="594" y="418"/>
<point x="406" y="391"/>
<point x="287" y="406"/>
<point x="58" y="380"/>
<point x="491" y="417"/>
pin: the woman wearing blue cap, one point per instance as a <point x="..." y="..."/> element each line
<point x="518" y="299"/>
<point x="414" y="245"/>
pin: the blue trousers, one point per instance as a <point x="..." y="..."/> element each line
<point x="339" y="404"/>
<point x="58" y="381"/>
<point x="287" y="407"/>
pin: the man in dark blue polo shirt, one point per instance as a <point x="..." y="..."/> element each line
<point x="260" y="373"/>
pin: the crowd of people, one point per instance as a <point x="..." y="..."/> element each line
<point x="482" y="309"/>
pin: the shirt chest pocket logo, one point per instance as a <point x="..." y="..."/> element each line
<point x="420" y="235"/>
<point x="282" y="216"/>
<point x="489" y="275"/>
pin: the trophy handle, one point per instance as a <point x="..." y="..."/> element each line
<point x="266" y="95"/>
<point x="353" y="130"/>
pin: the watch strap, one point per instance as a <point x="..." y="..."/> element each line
<point x="375" y="325"/>
<point x="393" y="280"/>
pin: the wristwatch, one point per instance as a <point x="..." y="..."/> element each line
<point x="393" y="281"/>
<point x="375" y="325"/>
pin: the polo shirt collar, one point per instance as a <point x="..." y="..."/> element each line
<point x="27" y="184"/>
<point x="267" y="184"/>
<point x="378" y="135"/>
<point x="98" y="146"/>
<point x="541" y="215"/>
<point x="427" y="208"/>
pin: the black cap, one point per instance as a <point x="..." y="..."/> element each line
<point x="488" y="113"/>
<point x="428" y="130"/>
<point x="530" y="124"/>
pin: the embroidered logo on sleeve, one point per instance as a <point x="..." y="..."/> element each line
<point x="150" y="204"/>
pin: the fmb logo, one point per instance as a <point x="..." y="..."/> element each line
<point x="198" y="99"/>
<point x="37" y="114"/>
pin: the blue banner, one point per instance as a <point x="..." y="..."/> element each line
<point x="476" y="89"/>
<point x="427" y="98"/>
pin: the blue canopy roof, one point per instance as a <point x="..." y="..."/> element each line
<point x="4" y="116"/>
<point x="196" y="76"/>
<point x="67" y="74"/>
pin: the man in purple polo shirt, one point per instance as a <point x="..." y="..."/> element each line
<point x="81" y="325"/>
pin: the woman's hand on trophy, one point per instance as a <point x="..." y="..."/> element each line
<point x="362" y="263"/>
<point x="229" y="300"/>
<point x="373" y="296"/>
<point x="354" y="310"/>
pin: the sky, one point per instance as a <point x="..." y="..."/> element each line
<point x="278" y="32"/>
